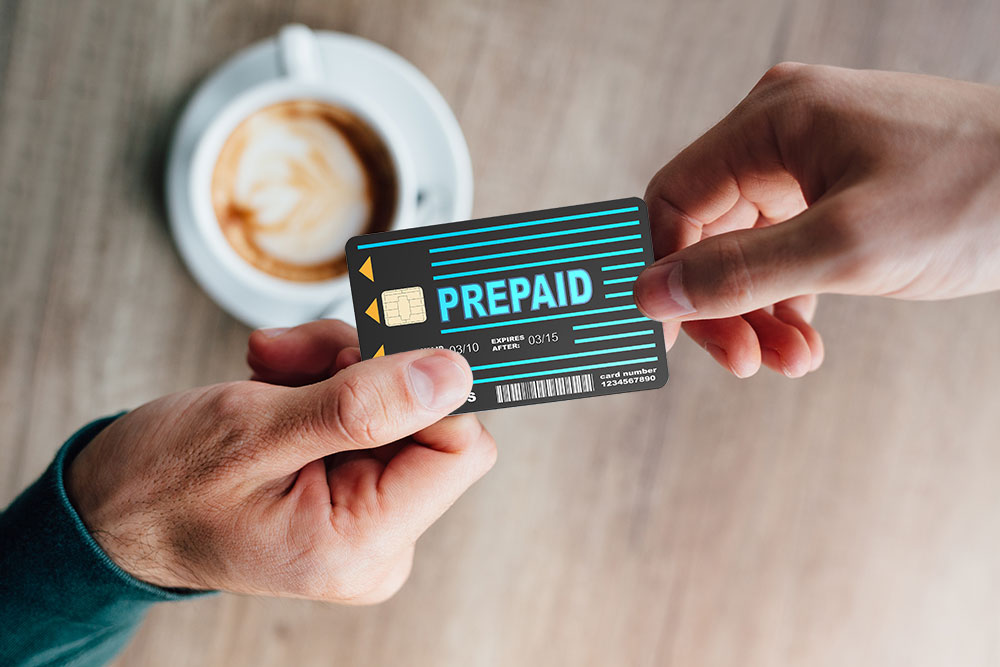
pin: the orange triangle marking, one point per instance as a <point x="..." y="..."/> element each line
<point x="366" y="270"/>
<point x="380" y="353"/>
<point x="372" y="311"/>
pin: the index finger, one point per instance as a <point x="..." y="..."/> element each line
<point x="733" y="176"/>
<point x="688" y="193"/>
<point x="427" y="476"/>
<point x="300" y="355"/>
<point x="691" y="191"/>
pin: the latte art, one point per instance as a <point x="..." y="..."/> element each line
<point x="298" y="186"/>
<point x="294" y="181"/>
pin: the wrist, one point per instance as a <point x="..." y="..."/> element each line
<point x="115" y="518"/>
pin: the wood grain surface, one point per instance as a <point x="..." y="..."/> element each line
<point x="848" y="518"/>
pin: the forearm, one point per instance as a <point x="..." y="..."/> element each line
<point x="64" y="600"/>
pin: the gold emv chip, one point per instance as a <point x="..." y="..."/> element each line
<point x="403" y="306"/>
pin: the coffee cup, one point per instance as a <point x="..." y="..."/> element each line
<point x="290" y="169"/>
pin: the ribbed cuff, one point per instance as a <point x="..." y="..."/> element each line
<point x="64" y="599"/>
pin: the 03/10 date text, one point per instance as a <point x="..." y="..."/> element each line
<point x="461" y="348"/>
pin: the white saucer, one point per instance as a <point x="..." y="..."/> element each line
<point x="440" y="154"/>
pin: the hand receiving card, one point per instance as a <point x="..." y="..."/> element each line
<point x="539" y="303"/>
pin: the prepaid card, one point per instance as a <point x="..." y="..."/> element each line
<point x="539" y="303"/>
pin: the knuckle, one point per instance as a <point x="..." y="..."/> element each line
<point x="361" y="585"/>
<point x="331" y="574"/>
<point x="795" y="91"/>
<point x="228" y="401"/>
<point x="358" y="410"/>
<point x="474" y="442"/>
<point x="796" y="77"/>
<point x="385" y="584"/>
<point x="339" y="585"/>
<point x="332" y="586"/>
<point x="783" y="72"/>
<point x="735" y="286"/>
<point x="467" y="428"/>
<point x="488" y="447"/>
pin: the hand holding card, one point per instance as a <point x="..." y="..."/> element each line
<point x="539" y="303"/>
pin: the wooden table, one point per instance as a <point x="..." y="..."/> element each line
<point x="849" y="518"/>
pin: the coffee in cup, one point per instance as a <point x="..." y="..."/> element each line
<point x="295" y="180"/>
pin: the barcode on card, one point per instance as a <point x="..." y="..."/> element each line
<point x="547" y="388"/>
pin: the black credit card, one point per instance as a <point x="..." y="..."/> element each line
<point x="539" y="303"/>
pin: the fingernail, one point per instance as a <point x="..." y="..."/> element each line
<point x="273" y="333"/>
<point x="722" y="357"/>
<point x="438" y="382"/>
<point x="660" y="292"/>
<point x="772" y="357"/>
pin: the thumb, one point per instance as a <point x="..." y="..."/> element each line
<point x="371" y="403"/>
<point x="741" y="271"/>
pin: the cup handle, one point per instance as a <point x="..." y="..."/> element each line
<point x="299" y="56"/>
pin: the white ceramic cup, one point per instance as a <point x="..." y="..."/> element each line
<point x="303" y="79"/>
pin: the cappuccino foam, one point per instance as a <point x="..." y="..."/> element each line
<point x="297" y="179"/>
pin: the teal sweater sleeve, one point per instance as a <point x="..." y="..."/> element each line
<point x="62" y="599"/>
